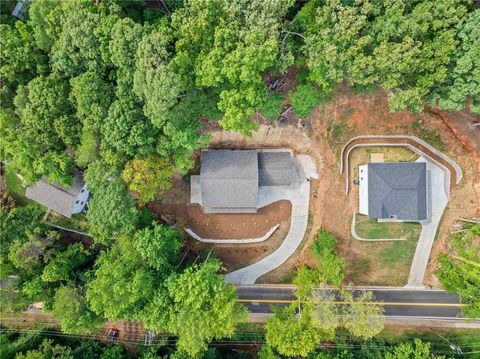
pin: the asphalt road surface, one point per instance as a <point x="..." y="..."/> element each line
<point x="397" y="302"/>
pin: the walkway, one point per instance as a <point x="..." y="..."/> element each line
<point x="437" y="201"/>
<point x="299" y="195"/>
<point x="414" y="143"/>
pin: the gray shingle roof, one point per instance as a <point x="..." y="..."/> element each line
<point x="56" y="197"/>
<point x="397" y="189"/>
<point x="229" y="179"/>
<point x="275" y="168"/>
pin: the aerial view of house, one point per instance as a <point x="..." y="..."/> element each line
<point x="246" y="179"/>
<point x="61" y="199"/>
<point x="394" y="191"/>
<point x="229" y="179"/>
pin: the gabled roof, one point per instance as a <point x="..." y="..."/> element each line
<point x="398" y="190"/>
<point x="56" y="197"/>
<point x="229" y="180"/>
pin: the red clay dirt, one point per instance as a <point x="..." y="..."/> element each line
<point x="231" y="226"/>
<point x="322" y="135"/>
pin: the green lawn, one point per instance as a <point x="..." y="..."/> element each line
<point x="77" y="222"/>
<point x="372" y="229"/>
<point x="15" y="188"/>
<point x="382" y="263"/>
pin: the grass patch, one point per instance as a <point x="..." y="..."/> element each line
<point x="398" y="252"/>
<point x="392" y="154"/>
<point x="338" y="133"/>
<point x="78" y="222"/>
<point x="15" y="188"/>
<point x="382" y="263"/>
<point x="432" y="137"/>
<point x="372" y="229"/>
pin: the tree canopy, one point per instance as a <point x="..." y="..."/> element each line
<point x="197" y="306"/>
<point x="459" y="270"/>
<point x="406" y="47"/>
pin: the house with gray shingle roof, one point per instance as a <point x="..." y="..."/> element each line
<point x="229" y="179"/>
<point x="63" y="200"/>
<point x="393" y="191"/>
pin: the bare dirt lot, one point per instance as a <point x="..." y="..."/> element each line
<point x="231" y="226"/>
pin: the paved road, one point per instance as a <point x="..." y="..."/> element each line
<point x="397" y="302"/>
<point x="298" y="194"/>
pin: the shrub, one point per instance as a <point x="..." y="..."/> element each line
<point x="330" y="267"/>
<point x="271" y="107"/>
<point x="306" y="97"/>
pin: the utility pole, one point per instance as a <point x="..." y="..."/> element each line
<point x="452" y="346"/>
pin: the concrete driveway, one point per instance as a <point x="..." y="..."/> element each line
<point x="437" y="195"/>
<point x="298" y="194"/>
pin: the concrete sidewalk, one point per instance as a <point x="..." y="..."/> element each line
<point x="437" y="201"/>
<point x="299" y="195"/>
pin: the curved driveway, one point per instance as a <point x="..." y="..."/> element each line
<point x="299" y="195"/>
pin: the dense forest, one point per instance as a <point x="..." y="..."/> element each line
<point x="123" y="89"/>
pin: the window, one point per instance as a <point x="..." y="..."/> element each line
<point x="82" y="203"/>
<point x="77" y="201"/>
<point x="83" y="190"/>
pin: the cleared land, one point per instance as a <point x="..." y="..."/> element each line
<point x="226" y="226"/>
<point x="324" y="134"/>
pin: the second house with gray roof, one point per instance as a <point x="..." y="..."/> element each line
<point x="394" y="191"/>
<point x="229" y="179"/>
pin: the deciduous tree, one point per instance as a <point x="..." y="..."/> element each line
<point x="71" y="309"/>
<point x="405" y="47"/>
<point x="227" y="45"/>
<point x="361" y="317"/>
<point x="459" y="270"/>
<point x="417" y="350"/>
<point x="20" y="59"/>
<point x="158" y="246"/>
<point x="111" y="211"/>
<point x="122" y="285"/>
<point x="146" y="176"/>
<point x="61" y="266"/>
<point x="45" y="19"/>
<point x="463" y="81"/>
<point x="292" y="332"/>
<point x="330" y="267"/>
<point x="197" y="306"/>
<point x="126" y="132"/>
